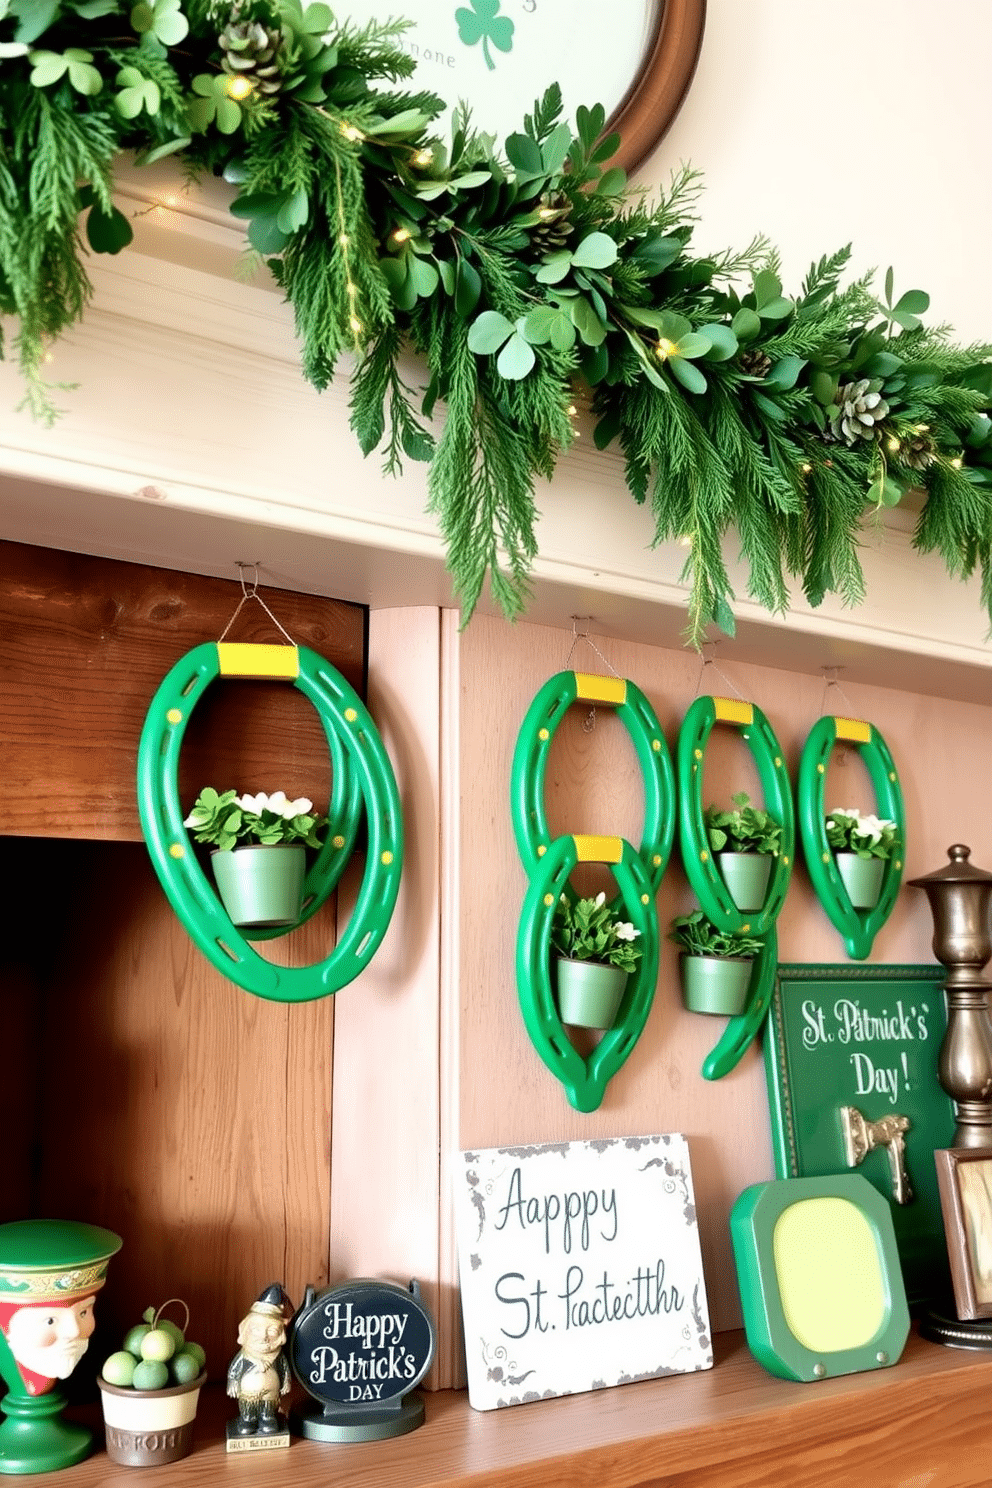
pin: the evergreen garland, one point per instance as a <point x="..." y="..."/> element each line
<point x="525" y="278"/>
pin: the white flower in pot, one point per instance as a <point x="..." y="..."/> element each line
<point x="596" y="954"/>
<point x="861" y="845"/>
<point x="744" y="841"/>
<point x="259" y="857"/>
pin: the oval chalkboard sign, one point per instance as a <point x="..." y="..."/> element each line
<point x="359" y="1349"/>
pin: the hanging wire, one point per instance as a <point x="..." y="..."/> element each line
<point x="830" y="680"/>
<point x="589" y="722"/>
<point x="252" y="593"/>
<point x="710" y="661"/>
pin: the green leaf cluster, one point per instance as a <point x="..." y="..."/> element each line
<point x="743" y="829"/>
<point x="220" y="819"/>
<point x="864" y="836"/>
<point x="590" y="930"/>
<point x="521" y="275"/>
<point x="696" y="935"/>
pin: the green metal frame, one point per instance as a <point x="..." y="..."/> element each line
<point x="858" y="927"/>
<point x="584" y="1080"/>
<point x="362" y="774"/>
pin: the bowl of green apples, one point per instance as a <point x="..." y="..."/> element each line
<point x="150" y="1389"/>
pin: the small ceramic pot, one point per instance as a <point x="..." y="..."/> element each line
<point x="148" y="1427"/>
<point x="715" y="984"/>
<point x="746" y="876"/>
<point x="862" y="878"/>
<point x="589" y="993"/>
<point x="260" y="885"/>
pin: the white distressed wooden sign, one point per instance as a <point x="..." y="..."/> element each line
<point x="580" y="1267"/>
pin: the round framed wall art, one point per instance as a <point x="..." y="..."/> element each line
<point x="499" y="56"/>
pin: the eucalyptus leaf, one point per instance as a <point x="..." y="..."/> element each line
<point x="784" y="374"/>
<point x="108" y="232"/>
<point x="597" y="251"/>
<point x="554" y="150"/>
<point x="554" y="269"/>
<point x="687" y="373"/>
<point x="537" y="325"/>
<point x="487" y="332"/>
<point x="516" y="359"/>
<point x="746" y="324"/>
<point x="34" y="19"/>
<point x="612" y="182"/>
<point x="468" y="287"/>
<point x="563" y="333"/>
<point x="424" y="277"/>
<point x="723" y="342"/>
<point x="587" y="322"/>
<point x="524" y="154"/>
<point x="694" y="345"/>
<point x="294" y="212"/>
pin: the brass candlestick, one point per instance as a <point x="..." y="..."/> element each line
<point x="960" y="898"/>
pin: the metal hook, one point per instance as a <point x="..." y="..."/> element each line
<point x="241" y="565"/>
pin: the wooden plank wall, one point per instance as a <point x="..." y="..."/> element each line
<point x="148" y="1093"/>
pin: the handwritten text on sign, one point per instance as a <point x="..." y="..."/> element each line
<point x="580" y="1267"/>
<point x="845" y="1023"/>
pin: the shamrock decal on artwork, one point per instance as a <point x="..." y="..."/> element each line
<point x="483" y="23"/>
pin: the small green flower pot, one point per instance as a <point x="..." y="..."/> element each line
<point x="589" y="993"/>
<point x="746" y="876"/>
<point x="261" y="886"/>
<point x="715" y="984"/>
<point x="862" y="878"/>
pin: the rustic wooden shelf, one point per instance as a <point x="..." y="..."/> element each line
<point x="921" y="1424"/>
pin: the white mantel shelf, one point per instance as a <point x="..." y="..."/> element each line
<point x="192" y="441"/>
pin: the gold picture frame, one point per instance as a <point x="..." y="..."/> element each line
<point x="964" y="1177"/>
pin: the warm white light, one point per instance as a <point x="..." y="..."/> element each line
<point x="893" y="444"/>
<point x="665" y="348"/>
<point x="239" y="87"/>
<point x="423" y="157"/>
<point x="356" y="324"/>
<point x="350" y="132"/>
<point x="401" y="234"/>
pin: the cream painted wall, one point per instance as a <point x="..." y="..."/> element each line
<point x="820" y="125"/>
<point x="507" y="1095"/>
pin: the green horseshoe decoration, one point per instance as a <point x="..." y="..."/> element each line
<point x="362" y="774"/>
<point x="706" y="878"/>
<point x="530" y="763"/>
<point x="741" y="1031"/>
<point x="701" y="871"/>
<point x="858" y="927"/>
<point x="585" y="1080"/>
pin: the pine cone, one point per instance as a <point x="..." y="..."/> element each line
<point x="754" y="363"/>
<point x="857" y="411"/>
<point x="253" y="51"/>
<point x="917" y="451"/>
<point x="554" y="229"/>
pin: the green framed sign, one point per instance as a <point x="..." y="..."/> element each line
<point x="851" y="1063"/>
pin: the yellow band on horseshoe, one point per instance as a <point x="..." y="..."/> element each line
<point x="732" y="710"/>
<point x="855" y="730"/>
<point x="590" y="849"/>
<point x="242" y="660"/>
<point x="592" y="689"/>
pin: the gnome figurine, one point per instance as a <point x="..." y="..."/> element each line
<point x="259" y="1373"/>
